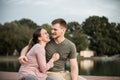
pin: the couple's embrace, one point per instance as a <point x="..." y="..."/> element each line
<point x="44" y="59"/>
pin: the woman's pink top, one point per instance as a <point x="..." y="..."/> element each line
<point x="36" y="64"/>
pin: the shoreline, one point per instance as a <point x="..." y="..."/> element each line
<point x="8" y="58"/>
<point x="104" y="58"/>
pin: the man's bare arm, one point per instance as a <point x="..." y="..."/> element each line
<point x="74" y="69"/>
<point x="23" y="59"/>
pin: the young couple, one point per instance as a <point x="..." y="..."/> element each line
<point x="43" y="54"/>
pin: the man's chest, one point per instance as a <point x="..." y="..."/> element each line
<point x="63" y="50"/>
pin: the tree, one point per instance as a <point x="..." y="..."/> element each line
<point x="15" y="35"/>
<point x="47" y="27"/>
<point x="28" y="22"/>
<point x="102" y="35"/>
<point x="75" y="34"/>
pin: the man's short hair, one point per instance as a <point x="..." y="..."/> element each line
<point x="60" y="21"/>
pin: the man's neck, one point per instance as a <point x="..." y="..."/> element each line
<point x="59" y="40"/>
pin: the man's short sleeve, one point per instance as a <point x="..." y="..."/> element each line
<point x="73" y="52"/>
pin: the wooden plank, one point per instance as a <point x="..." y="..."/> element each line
<point x="8" y="76"/>
<point x="101" y="77"/>
<point x="14" y="76"/>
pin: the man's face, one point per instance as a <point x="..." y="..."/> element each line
<point x="57" y="31"/>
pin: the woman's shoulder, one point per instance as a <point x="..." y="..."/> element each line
<point x="37" y="46"/>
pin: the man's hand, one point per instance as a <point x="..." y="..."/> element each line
<point x="23" y="59"/>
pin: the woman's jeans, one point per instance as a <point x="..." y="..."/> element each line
<point x="31" y="77"/>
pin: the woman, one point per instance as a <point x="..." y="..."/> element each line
<point x="36" y="67"/>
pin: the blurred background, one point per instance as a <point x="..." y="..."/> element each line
<point x="93" y="25"/>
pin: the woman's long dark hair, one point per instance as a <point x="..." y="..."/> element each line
<point x="34" y="39"/>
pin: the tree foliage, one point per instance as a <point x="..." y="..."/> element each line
<point x="15" y="35"/>
<point x="75" y="34"/>
<point x="47" y="27"/>
<point x="104" y="36"/>
<point x="95" y="33"/>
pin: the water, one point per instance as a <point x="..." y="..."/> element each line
<point x="86" y="67"/>
<point x="99" y="68"/>
<point x="11" y="66"/>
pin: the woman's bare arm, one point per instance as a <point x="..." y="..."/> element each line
<point x="23" y="59"/>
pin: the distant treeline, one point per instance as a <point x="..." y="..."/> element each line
<point x="95" y="33"/>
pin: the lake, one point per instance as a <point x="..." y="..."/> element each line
<point x="86" y="67"/>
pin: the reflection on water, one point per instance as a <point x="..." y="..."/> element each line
<point x="86" y="64"/>
<point x="9" y="66"/>
<point x="86" y="67"/>
<point x="99" y="67"/>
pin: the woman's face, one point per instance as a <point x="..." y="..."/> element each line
<point x="44" y="35"/>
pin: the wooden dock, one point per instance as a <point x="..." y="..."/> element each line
<point x="14" y="76"/>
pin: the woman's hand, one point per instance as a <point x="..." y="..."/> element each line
<point x="23" y="59"/>
<point x="55" y="57"/>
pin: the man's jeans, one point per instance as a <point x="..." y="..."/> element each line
<point x="31" y="77"/>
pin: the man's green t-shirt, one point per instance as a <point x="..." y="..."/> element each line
<point x="66" y="50"/>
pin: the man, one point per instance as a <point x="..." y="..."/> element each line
<point x="66" y="50"/>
